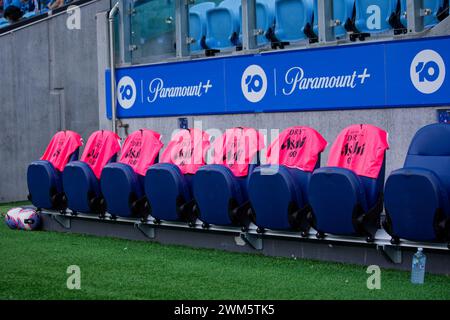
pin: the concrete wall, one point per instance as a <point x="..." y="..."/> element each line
<point x="48" y="77"/>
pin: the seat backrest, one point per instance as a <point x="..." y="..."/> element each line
<point x="342" y="11"/>
<point x="429" y="20"/>
<point x="187" y="150"/>
<point x="222" y="24"/>
<point x="197" y="23"/>
<point x="265" y="18"/>
<point x="373" y="15"/>
<point x="430" y="149"/>
<point x="291" y="17"/>
<point x="100" y="148"/>
<point x="61" y="148"/>
<point x="237" y="149"/>
<point x="297" y="147"/>
<point x="360" y="148"/>
<point x="232" y="5"/>
<point x="140" y="150"/>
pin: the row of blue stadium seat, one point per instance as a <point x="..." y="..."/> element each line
<point x="333" y="200"/>
<point x="295" y="20"/>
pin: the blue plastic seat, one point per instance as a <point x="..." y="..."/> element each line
<point x="341" y="201"/>
<point x="293" y="19"/>
<point x="220" y="189"/>
<point x="345" y="202"/>
<point x="45" y="184"/>
<point x="278" y="191"/>
<point x="223" y="25"/>
<point x="44" y="176"/>
<point x="376" y="16"/>
<point x="168" y="185"/>
<point x="342" y="11"/>
<point x="123" y="190"/>
<point x="169" y="193"/>
<point x="222" y="198"/>
<point x="417" y="196"/>
<point x="122" y="183"/>
<point x="29" y="14"/>
<point x="265" y="21"/>
<point x="279" y="198"/>
<point x="197" y="24"/>
<point x="3" y="22"/>
<point x="438" y="8"/>
<point x="81" y="185"/>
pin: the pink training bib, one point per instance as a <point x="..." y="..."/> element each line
<point x="101" y="146"/>
<point x="61" y="147"/>
<point x="297" y="147"/>
<point x="236" y="149"/>
<point x="360" y="148"/>
<point x="187" y="150"/>
<point x="141" y="149"/>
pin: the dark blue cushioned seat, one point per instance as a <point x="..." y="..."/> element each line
<point x="82" y="188"/>
<point x="282" y="190"/>
<point x="45" y="184"/>
<point x="221" y="197"/>
<point x="344" y="203"/>
<point x="122" y="183"/>
<point x="169" y="192"/>
<point x="122" y="188"/>
<point x="417" y="196"/>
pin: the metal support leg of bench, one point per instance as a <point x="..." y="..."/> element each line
<point x="62" y="220"/>
<point x="394" y="253"/>
<point x="147" y="230"/>
<point x="253" y="240"/>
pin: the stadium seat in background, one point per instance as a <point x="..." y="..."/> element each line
<point x="223" y="25"/>
<point x="197" y="24"/>
<point x="342" y="12"/>
<point x="437" y="10"/>
<point x="3" y="22"/>
<point x="220" y="189"/>
<point x="377" y="16"/>
<point x="168" y="184"/>
<point x="347" y="196"/>
<point x="44" y="176"/>
<point x="294" y="19"/>
<point x="29" y="15"/>
<point x="81" y="179"/>
<point x="265" y="21"/>
<point x="122" y="183"/>
<point x="278" y="191"/>
<point x="417" y="196"/>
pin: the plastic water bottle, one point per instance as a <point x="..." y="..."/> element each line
<point x="418" y="267"/>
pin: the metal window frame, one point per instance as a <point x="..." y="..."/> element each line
<point x="325" y="21"/>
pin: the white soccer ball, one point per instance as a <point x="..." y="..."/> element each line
<point x="12" y="217"/>
<point x="28" y="219"/>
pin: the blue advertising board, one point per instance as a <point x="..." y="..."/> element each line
<point x="404" y="73"/>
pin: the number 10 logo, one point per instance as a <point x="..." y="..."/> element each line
<point x="427" y="71"/>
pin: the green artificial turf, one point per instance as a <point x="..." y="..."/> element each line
<point x="33" y="265"/>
